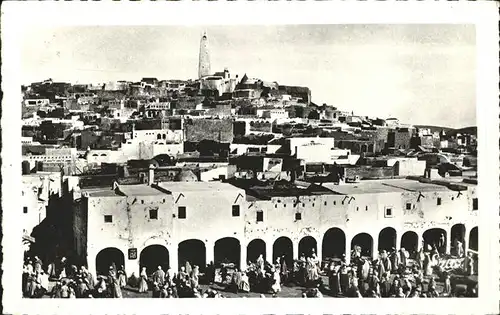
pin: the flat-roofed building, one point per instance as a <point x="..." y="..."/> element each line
<point x="168" y="223"/>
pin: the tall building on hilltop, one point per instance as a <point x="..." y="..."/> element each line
<point x="204" y="63"/>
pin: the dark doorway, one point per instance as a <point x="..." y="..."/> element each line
<point x="333" y="244"/>
<point x="409" y="241"/>
<point x="255" y="248"/>
<point x="193" y="251"/>
<point x="227" y="250"/>
<point x="154" y="256"/>
<point x="435" y="238"/>
<point x="473" y="239"/>
<point x="307" y="246"/>
<point x="283" y="246"/>
<point x="365" y="241"/>
<point x="457" y="235"/>
<point x="387" y="239"/>
<point x="106" y="258"/>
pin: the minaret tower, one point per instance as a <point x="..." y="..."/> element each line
<point x="204" y="63"/>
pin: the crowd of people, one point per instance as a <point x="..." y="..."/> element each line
<point x="391" y="274"/>
<point x="70" y="281"/>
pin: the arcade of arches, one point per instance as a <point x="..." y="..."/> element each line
<point x="333" y="245"/>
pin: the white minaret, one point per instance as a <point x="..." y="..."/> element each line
<point x="204" y="63"/>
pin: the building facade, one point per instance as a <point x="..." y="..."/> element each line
<point x="169" y="223"/>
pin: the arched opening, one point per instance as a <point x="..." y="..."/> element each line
<point x="387" y="239"/>
<point x="108" y="257"/>
<point x="365" y="242"/>
<point x="333" y="244"/>
<point x="193" y="251"/>
<point x="435" y="238"/>
<point x="256" y="248"/>
<point x="158" y="136"/>
<point x="154" y="256"/>
<point x="307" y="246"/>
<point x="409" y="241"/>
<point x="227" y="250"/>
<point x="283" y="247"/>
<point x="473" y="239"/>
<point x="457" y="235"/>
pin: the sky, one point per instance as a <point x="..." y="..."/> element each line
<point x="421" y="74"/>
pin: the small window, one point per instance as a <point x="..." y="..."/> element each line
<point x="408" y="206"/>
<point x="298" y="216"/>
<point x="284" y="205"/>
<point x="334" y="203"/>
<point x="388" y="212"/>
<point x="181" y="212"/>
<point x="439" y="201"/>
<point x="236" y="210"/>
<point x="153" y="214"/>
<point x="25" y="209"/>
<point x="366" y="208"/>
<point x="275" y="205"/>
<point x="142" y="201"/>
<point x="260" y="216"/>
<point x="475" y="205"/>
<point x="303" y="205"/>
<point x="313" y="204"/>
<point x="108" y="218"/>
<point x="357" y="208"/>
<point x="325" y="203"/>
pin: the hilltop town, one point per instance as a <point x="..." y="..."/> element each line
<point x="226" y="169"/>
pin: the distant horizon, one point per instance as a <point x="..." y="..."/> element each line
<point x="373" y="70"/>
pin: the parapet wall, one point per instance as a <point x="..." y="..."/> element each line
<point x="367" y="172"/>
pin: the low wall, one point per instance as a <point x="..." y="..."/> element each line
<point x="365" y="172"/>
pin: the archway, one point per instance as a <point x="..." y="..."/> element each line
<point x="473" y="239"/>
<point x="365" y="242"/>
<point x="283" y="247"/>
<point x="153" y="256"/>
<point x="307" y="246"/>
<point x="255" y="248"/>
<point x="227" y="250"/>
<point x="387" y="239"/>
<point x="106" y="258"/>
<point x="194" y="251"/>
<point x="333" y="244"/>
<point x="435" y="238"/>
<point x="409" y="241"/>
<point x="457" y="235"/>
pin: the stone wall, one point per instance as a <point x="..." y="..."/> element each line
<point x="209" y="129"/>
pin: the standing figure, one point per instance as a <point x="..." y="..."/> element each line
<point x="427" y="264"/>
<point x="276" y="287"/>
<point x="122" y="277"/>
<point x="470" y="264"/>
<point x="159" y="276"/>
<point x="244" y="284"/>
<point x="143" y="284"/>
<point x="447" y="285"/>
